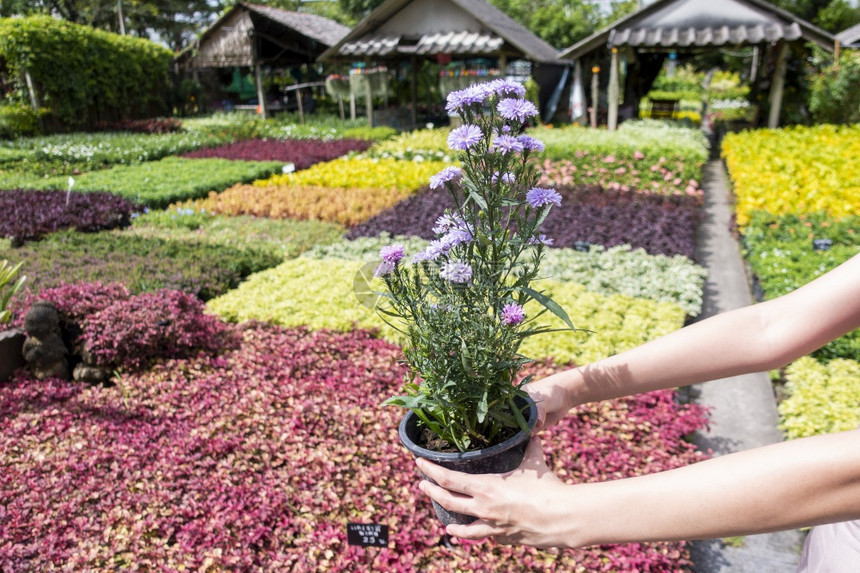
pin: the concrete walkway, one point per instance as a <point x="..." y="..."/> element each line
<point x="743" y="409"/>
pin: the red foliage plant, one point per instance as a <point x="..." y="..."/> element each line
<point x="127" y="331"/>
<point x="301" y="152"/>
<point x="255" y="460"/>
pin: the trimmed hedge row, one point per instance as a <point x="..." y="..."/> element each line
<point x="83" y="75"/>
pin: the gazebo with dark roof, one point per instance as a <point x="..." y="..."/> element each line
<point x="253" y="35"/>
<point x="411" y="29"/>
<point x="646" y="36"/>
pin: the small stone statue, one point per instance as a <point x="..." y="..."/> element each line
<point x="88" y="371"/>
<point x="44" y="349"/>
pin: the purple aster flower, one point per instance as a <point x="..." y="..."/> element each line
<point x="436" y="249"/>
<point x="383" y="269"/>
<point x="461" y="99"/>
<point x="445" y="223"/>
<point x="506" y="143"/>
<point x="516" y="109"/>
<point x="456" y="272"/>
<point x="464" y="137"/>
<point x="392" y="253"/>
<point x="512" y="314"/>
<point x="458" y="237"/>
<point x="508" y="178"/>
<point x="531" y="143"/>
<point x="542" y="240"/>
<point x="506" y="87"/>
<point x="444" y="176"/>
<point x="538" y="197"/>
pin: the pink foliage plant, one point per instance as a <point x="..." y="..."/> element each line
<point x="255" y="460"/>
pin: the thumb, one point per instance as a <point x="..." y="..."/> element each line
<point x="534" y="459"/>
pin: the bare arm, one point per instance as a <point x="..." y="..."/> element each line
<point x="782" y="486"/>
<point x="803" y="482"/>
<point x="749" y="339"/>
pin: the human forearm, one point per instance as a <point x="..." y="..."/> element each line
<point x="783" y="486"/>
<point x="749" y="339"/>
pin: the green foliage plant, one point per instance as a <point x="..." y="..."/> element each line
<point x="834" y="97"/>
<point x="8" y="289"/>
<point x="461" y="302"/>
<point x="84" y="75"/>
<point x="822" y="398"/>
<point x="157" y="184"/>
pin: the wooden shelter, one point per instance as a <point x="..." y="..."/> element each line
<point x="252" y="35"/>
<point x="644" y="38"/>
<point x="445" y="31"/>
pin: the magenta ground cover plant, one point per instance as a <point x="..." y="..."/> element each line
<point x="27" y="215"/>
<point x="301" y="152"/>
<point x="256" y="459"/>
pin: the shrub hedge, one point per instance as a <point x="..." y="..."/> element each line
<point x="84" y="75"/>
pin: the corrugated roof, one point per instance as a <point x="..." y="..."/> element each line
<point x="323" y="30"/>
<point x="500" y="29"/>
<point x="371" y="46"/>
<point x="849" y="37"/>
<point x="688" y="23"/>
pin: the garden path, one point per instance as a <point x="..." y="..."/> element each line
<point x="743" y="408"/>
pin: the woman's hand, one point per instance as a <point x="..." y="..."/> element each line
<point x="551" y="399"/>
<point x="522" y="506"/>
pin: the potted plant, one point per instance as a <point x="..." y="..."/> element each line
<point x="11" y="339"/>
<point x="461" y="303"/>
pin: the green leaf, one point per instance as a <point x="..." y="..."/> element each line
<point x="482" y="408"/>
<point x="549" y="304"/>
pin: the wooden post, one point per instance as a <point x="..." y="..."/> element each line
<point x="776" y="86"/>
<point x="301" y="108"/>
<point x="340" y="107"/>
<point x="595" y="82"/>
<point x="612" y="116"/>
<point x="261" y="99"/>
<point x="368" y="101"/>
<point x="413" y="88"/>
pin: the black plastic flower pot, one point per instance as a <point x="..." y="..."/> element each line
<point x="501" y="458"/>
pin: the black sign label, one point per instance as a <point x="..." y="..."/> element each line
<point x="367" y="534"/>
<point x="821" y="244"/>
<point x="581" y="246"/>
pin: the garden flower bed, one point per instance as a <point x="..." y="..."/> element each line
<point x="301" y="153"/>
<point x="142" y="264"/>
<point x="283" y="238"/>
<point x="822" y="398"/>
<point x="253" y="455"/>
<point x="661" y="225"/>
<point x="795" y="170"/>
<point x="256" y="459"/>
<point x="617" y="270"/>
<point x="318" y="293"/>
<point x="157" y="184"/>
<point x="28" y="215"/>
